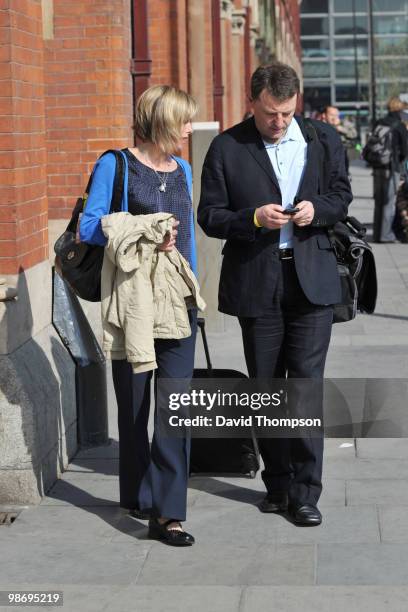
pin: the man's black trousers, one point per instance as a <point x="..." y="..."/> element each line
<point x="290" y="339"/>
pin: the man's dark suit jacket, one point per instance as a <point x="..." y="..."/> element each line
<point x="237" y="178"/>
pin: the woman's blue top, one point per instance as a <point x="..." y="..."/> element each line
<point x="141" y="195"/>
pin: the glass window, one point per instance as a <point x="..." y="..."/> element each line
<point x="346" y="6"/>
<point x="348" y="93"/>
<point x="392" y="69"/>
<point x="345" y="25"/>
<point x="316" y="96"/>
<point x="391" y="25"/>
<point x="345" y="47"/>
<point x="314" y="6"/>
<point x="315" y="48"/>
<point x="390" y="5"/>
<point x="345" y="69"/>
<point x="314" y="26"/>
<point x="397" y="45"/>
<point x="387" y="90"/>
<point x="316" y="70"/>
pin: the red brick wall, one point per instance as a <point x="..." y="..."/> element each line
<point x="23" y="202"/>
<point x="88" y="90"/>
<point x="168" y="42"/>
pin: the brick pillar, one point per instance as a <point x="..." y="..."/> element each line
<point x="89" y="100"/>
<point x="238" y="98"/>
<point x="200" y="56"/>
<point x="168" y="42"/>
<point x="37" y="390"/>
<point x="23" y="202"/>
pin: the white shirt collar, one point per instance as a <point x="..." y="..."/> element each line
<point x="293" y="133"/>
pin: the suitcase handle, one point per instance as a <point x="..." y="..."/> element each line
<point x="201" y="325"/>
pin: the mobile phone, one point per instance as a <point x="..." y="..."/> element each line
<point x="291" y="210"/>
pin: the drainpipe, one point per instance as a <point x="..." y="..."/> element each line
<point x="140" y="64"/>
<point x="218" y="89"/>
<point x="247" y="43"/>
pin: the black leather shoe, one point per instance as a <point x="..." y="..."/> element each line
<point x="274" y="502"/>
<point x="142" y="515"/>
<point x="306" y="515"/>
<point x="174" y="537"/>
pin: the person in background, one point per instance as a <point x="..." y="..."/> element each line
<point x="347" y="129"/>
<point x="386" y="180"/>
<point x="152" y="480"/>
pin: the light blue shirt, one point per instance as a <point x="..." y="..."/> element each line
<point x="288" y="159"/>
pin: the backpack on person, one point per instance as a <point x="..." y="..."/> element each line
<point x="378" y="151"/>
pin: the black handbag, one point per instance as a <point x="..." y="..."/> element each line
<point x="356" y="267"/>
<point x="79" y="263"/>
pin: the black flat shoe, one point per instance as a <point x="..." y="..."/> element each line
<point x="173" y="537"/>
<point x="274" y="502"/>
<point x="142" y="515"/>
<point x="306" y="515"/>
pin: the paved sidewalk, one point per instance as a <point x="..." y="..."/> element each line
<point x="80" y="542"/>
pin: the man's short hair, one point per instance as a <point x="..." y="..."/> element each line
<point x="326" y="108"/>
<point x="279" y="80"/>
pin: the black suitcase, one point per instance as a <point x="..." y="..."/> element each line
<point x="222" y="455"/>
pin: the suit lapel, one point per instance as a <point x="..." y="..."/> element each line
<point x="257" y="149"/>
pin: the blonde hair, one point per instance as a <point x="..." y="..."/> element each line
<point x="161" y="112"/>
<point x="394" y="104"/>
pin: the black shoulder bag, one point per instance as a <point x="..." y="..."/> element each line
<point x="355" y="262"/>
<point x="79" y="263"/>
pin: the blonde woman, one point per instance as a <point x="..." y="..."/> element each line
<point x="152" y="480"/>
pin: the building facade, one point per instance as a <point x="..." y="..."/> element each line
<point x="344" y="43"/>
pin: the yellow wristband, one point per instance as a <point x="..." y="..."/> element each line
<point x="256" y="222"/>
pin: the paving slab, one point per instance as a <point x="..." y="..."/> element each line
<point x="240" y="563"/>
<point x="100" y="492"/>
<point x="376" y="491"/>
<point x="322" y="599"/>
<point x="393" y="521"/>
<point x="92" y="468"/>
<point x="383" y="448"/>
<point x="339" y="448"/>
<point x="371" y="564"/>
<point x="350" y="469"/>
<point x="107" y="451"/>
<point x="122" y="598"/>
<point x="85" y="560"/>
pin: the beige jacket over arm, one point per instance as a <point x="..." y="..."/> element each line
<point x="145" y="292"/>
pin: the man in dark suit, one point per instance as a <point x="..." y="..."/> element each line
<point x="279" y="273"/>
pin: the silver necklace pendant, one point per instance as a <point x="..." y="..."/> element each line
<point x="162" y="187"/>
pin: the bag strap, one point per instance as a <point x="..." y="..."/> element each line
<point x="314" y="136"/>
<point x="118" y="182"/>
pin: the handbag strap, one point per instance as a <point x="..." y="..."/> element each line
<point x="118" y="182"/>
<point x="314" y="136"/>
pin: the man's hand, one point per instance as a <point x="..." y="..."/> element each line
<point x="170" y="240"/>
<point x="271" y="216"/>
<point x="305" y="214"/>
